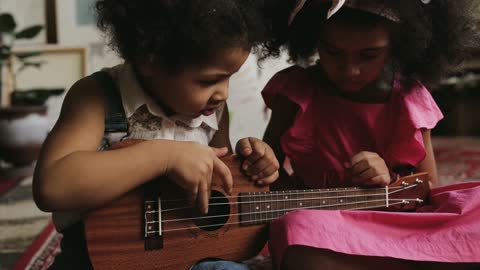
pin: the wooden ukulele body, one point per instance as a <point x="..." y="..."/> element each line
<point x="115" y="233"/>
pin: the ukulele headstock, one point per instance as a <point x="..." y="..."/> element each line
<point x="409" y="192"/>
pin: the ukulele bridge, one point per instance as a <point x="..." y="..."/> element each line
<point x="152" y="220"/>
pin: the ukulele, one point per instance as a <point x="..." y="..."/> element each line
<point x="153" y="227"/>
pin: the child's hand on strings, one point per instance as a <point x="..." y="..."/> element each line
<point x="192" y="166"/>
<point x="369" y="169"/>
<point x="260" y="163"/>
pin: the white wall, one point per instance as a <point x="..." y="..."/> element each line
<point x="70" y="33"/>
<point x="249" y="115"/>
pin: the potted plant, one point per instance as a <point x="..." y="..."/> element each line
<point x="22" y="128"/>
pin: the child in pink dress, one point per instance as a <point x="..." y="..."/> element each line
<point x="361" y="116"/>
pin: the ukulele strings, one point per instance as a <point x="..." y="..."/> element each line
<point x="254" y="221"/>
<point x="263" y="197"/>
<point x="291" y="209"/>
<point x="284" y="210"/>
<point x="287" y="192"/>
<point x="265" y="200"/>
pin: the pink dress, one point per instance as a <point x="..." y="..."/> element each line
<point x="327" y="132"/>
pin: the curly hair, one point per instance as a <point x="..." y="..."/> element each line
<point x="428" y="40"/>
<point x="177" y="32"/>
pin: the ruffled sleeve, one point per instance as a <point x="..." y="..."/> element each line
<point x="290" y="83"/>
<point x="417" y="110"/>
<point x="421" y="109"/>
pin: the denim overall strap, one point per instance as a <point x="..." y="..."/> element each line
<point x="115" y="120"/>
<point x="116" y="123"/>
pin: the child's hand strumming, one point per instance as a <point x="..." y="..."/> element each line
<point x="192" y="167"/>
<point x="369" y="169"/>
<point x="260" y="163"/>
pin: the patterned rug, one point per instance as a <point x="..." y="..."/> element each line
<point x="41" y="253"/>
<point x="458" y="159"/>
<point x="29" y="241"/>
<point x="20" y="222"/>
<point x="8" y="183"/>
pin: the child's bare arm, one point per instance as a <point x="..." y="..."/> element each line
<point x="72" y="175"/>
<point x="284" y="112"/>
<point x="428" y="164"/>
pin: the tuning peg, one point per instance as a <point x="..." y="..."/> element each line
<point x="405" y="184"/>
<point x="419" y="200"/>
<point x="418" y="181"/>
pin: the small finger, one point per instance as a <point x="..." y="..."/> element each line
<point x="367" y="174"/>
<point x="203" y="197"/>
<point x="209" y="182"/>
<point x="361" y="156"/>
<point x="259" y="166"/>
<point x="243" y="147"/>
<point x="259" y="149"/>
<point x="268" y="180"/>
<point x="220" y="152"/>
<point x="271" y="170"/>
<point x="222" y="171"/>
<point x="360" y="167"/>
<point x="361" y="179"/>
<point x="380" y="180"/>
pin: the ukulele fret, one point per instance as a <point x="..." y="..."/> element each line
<point x="245" y="209"/>
<point x="329" y="200"/>
<point x="276" y="204"/>
<point x="263" y="207"/>
<point x="293" y="205"/>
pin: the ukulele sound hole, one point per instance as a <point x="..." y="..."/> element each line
<point x="218" y="213"/>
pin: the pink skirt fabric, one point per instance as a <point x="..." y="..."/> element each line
<point x="447" y="230"/>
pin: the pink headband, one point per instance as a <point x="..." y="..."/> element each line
<point x="372" y="6"/>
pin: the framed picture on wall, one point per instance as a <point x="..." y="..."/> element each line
<point x="59" y="68"/>
<point x="33" y="12"/>
<point x="76" y="22"/>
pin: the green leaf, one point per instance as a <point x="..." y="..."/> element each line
<point x="30" y="64"/>
<point x="27" y="55"/>
<point x="34" y="64"/>
<point x="5" y="52"/>
<point x="4" y="57"/>
<point x="29" y="33"/>
<point x="5" y="49"/>
<point x="7" y="23"/>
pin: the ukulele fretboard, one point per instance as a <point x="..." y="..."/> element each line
<point x="262" y="207"/>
